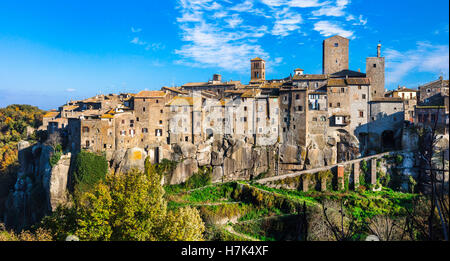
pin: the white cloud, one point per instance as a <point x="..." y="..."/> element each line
<point x="243" y="7"/>
<point x="327" y="28"/>
<point x="137" y="41"/>
<point x="136" y="30"/>
<point x="234" y="21"/>
<point x="332" y="9"/>
<point x="425" y="58"/>
<point x="71" y="90"/>
<point x="226" y="34"/>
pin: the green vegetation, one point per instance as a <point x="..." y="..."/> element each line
<point x="14" y="121"/>
<point x="125" y="207"/>
<point x="89" y="169"/>
<point x="200" y="179"/>
<point x="56" y="155"/>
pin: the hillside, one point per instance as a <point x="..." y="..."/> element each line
<point x="17" y="122"/>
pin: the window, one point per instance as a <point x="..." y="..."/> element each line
<point x="186" y="138"/>
<point x="342" y="90"/>
<point x="323" y="118"/>
<point x="364" y="96"/>
<point x="144" y="130"/>
<point x="339" y="104"/>
<point x="331" y="105"/>
<point x="361" y="114"/>
<point x="245" y="108"/>
<point x="374" y="65"/>
<point x="123" y="121"/>
<point x="284" y="129"/>
<point x="299" y="108"/>
<point x="315" y="119"/>
<point x="137" y="119"/>
<point x="158" y="132"/>
<point x="160" y="122"/>
<point x="336" y="45"/>
<point x="143" y="109"/>
<point x="85" y="129"/>
<point x="297" y="97"/>
<point x="161" y="111"/>
<point x="157" y="101"/>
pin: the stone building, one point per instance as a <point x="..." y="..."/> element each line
<point x="430" y="89"/>
<point x="386" y="123"/>
<point x="185" y="119"/>
<point x="335" y="54"/>
<point x="151" y="122"/>
<point x="215" y="85"/>
<point x="258" y="70"/>
<point x="409" y="97"/>
<point x="375" y="69"/>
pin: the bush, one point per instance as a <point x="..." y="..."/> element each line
<point x="89" y="169"/>
<point x="200" y="179"/>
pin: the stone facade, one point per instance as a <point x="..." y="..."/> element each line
<point x="375" y="68"/>
<point x="335" y="54"/>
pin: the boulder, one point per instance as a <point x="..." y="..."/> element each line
<point x="204" y="155"/>
<point x="217" y="157"/>
<point x="289" y="154"/>
<point x="57" y="187"/>
<point x="188" y="150"/>
<point x="184" y="170"/>
<point x="217" y="174"/>
<point x="134" y="159"/>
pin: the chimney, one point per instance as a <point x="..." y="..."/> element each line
<point x="379" y="50"/>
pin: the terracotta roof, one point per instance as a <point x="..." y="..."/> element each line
<point x="405" y="90"/>
<point x="206" y="84"/>
<point x="358" y="81"/>
<point x="298" y="69"/>
<point x="387" y="99"/>
<point x="150" y="94"/>
<point x="251" y="93"/>
<point x="70" y="107"/>
<point x="336" y="83"/>
<point x="310" y="77"/>
<point x="109" y="115"/>
<point x="257" y="59"/>
<point x="184" y="101"/>
<point x="173" y="89"/>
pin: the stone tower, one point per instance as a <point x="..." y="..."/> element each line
<point x="258" y="70"/>
<point x="335" y="54"/>
<point x="375" y="72"/>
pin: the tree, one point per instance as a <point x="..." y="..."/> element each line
<point x="127" y="207"/>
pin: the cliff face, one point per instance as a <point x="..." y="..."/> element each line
<point x="39" y="188"/>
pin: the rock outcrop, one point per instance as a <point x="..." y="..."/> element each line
<point x="39" y="188"/>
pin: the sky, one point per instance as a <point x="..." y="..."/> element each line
<point x="54" y="51"/>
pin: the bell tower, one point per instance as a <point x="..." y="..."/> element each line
<point x="258" y="70"/>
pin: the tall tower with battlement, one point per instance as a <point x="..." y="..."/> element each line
<point x="335" y="54"/>
<point x="258" y="70"/>
<point x="375" y="72"/>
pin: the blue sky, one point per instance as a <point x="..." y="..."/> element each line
<point x="52" y="51"/>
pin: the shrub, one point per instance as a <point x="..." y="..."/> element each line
<point x="200" y="179"/>
<point x="89" y="169"/>
<point x="399" y="159"/>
